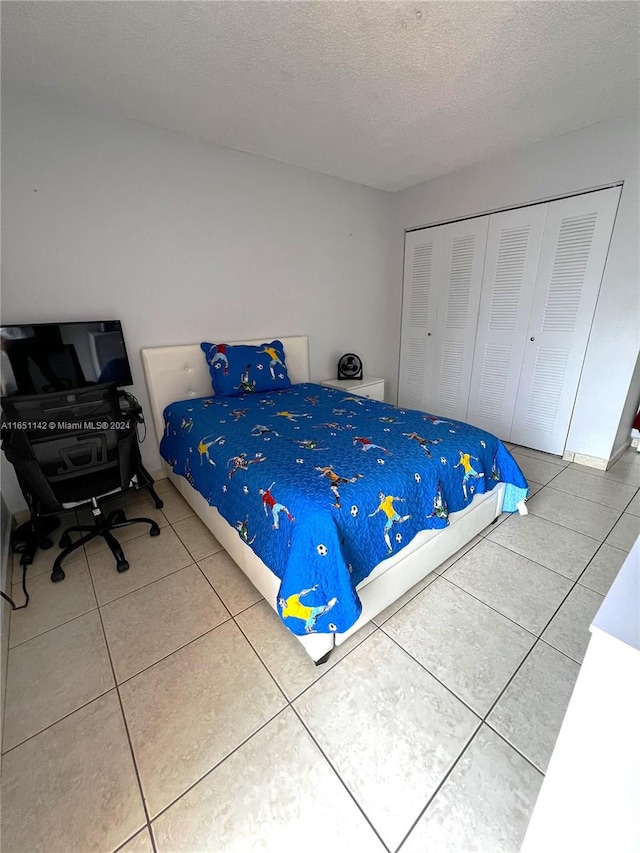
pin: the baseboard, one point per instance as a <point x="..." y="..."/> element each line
<point x="618" y="453"/>
<point x="595" y="461"/>
<point x="590" y="461"/>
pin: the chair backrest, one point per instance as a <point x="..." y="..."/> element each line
<point x="69" y="446"/>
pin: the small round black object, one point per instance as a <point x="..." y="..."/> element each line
<point x="45" y="544"/>
<point x="123" y="566"/>
<point x="155" y="531"/>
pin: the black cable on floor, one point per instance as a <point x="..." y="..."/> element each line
<point x="14" y="606"/>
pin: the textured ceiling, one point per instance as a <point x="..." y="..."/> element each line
<point x="384" y="93"/>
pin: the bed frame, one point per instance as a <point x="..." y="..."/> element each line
<point x="181" y="372"/>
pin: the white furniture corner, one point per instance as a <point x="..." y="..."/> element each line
<point x="368" y="386"/>
<point x="181" y="373"/>
<point x="590" y="796"/>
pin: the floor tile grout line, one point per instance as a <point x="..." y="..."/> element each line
<point x="272" y="677"/>
<point x="537" y="638"/>
<point x="514" y="674"/>
<point x="531" y="560"/>
<point x="483" y="721"/>
<point x="59" y="720"/>
<point x="174" y="651"/>
<point x="540" y="639"/>
<point x="289" y="704"/>
<point x="557" y="523"/>
<point x="428" y="671"/>
<point x="143" y="586"/>
<point x="540" y="636"/>
<point x="333" y="666"/>
<point x="567" y="526"/>
<point x="124" y="721"/>
<point x="317" y="679"/>
<point x="244" y="609"/>
<point x="490" y="606"/>
<point x="502" y="737"/>
<point x="119" y="598"/>
<point x="439" y="787"/>
<point x="583" y="498"/>
<point x="515" y="452"/>
<point x="607" y="476"/>
<point x="154" y="843"/>
<point x="206" y="556"/>
<point x="413" y="597"/>
<point x="339" y="777"/>
<point x="135" y="835"/>
<point x="231" y="615"/>
<point x="217" y="764"/>
<point x="48" y="631"/>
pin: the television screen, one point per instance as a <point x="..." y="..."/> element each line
<point x="46" y="357"/>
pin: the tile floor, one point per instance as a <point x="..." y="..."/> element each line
<point x="166" y="708"/>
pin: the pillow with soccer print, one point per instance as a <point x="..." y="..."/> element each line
<point x="242" y="369"/>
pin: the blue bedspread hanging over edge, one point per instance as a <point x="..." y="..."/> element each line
<point x="324" y="485"/>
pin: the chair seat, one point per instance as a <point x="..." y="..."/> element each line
<point x="77" y="490"/>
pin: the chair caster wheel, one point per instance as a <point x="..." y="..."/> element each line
<point x="65" y="541"/>
<point x="57" y="575"/>
<point x="123" y="566"/>
<point x="119" y="516"/>
<point x="159" y="504"/>
<point x="155" y="531"/>
<point x="45" y="544"/>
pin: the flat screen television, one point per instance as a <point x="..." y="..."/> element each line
<point x="39" y="358"/>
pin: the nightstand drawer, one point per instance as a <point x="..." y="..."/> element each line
<point x="370" y="387"/>
<point x="373" y="392"/>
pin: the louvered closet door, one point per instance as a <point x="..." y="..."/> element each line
<point x="422" y="260"/>
<point x="460" y="280"/>
<point x="510" y="267"/>
<point x="574" y="251"/>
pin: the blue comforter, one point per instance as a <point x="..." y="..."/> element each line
<point x="323" y="485"/>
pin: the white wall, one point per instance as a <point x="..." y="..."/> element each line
<point x="184" y="241"/>
<point x="602" y="154"/>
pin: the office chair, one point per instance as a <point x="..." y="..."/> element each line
<point x="77" y="449"/>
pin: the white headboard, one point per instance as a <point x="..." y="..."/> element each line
<point x="180" y="372"/>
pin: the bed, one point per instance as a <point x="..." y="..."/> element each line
<point x="388" y="553"/>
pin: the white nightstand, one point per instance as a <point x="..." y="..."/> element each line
<point x="368" y="386"/>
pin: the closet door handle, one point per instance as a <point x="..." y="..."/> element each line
<point x="428" y="334"/>
<point x="532" y="339"/>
